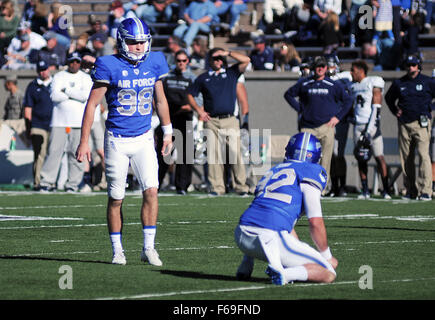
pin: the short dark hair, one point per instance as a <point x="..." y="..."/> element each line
<point x="181" y="52"/>
<point x="361" y="64"/>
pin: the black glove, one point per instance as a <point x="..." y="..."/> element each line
<point x="245" y="122"/>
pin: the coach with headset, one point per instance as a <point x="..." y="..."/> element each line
<point x="414" y="93"/>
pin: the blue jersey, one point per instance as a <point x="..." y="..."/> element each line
<point x="278" y="202"/>
<point x="130" y="93"/>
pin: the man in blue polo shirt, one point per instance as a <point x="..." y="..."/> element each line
<point x="262" y="57"/>
<point x="218" y="88"/>
<point x="322" y="104"/>
<point x="410" y="99"/>
<point x="38" y="108"/>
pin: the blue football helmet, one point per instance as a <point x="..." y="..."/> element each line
<point x="133" y="29"/>
<point x="303" y="147"/>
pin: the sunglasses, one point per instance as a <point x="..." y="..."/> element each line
<point x="412" y="64"/>
<point x="215" y="58"/>
<point x="182" y="60"/>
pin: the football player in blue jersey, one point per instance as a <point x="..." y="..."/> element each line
<point x="131" y="82"/>
<point x="266" y="229"/>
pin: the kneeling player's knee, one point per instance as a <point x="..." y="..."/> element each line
<point x="329" y="277"/>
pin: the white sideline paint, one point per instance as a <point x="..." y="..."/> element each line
<point x="215" y="247"/>
<point x="416" y="218"/>
<point x="179" y="293"/>
<point x="32" y="218"/>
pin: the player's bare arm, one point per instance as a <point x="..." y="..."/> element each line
<point x="165" y="119"/>
<point x="319" y="237"/>
<point x="94" y="100"/>
<point x="377" y="96"/>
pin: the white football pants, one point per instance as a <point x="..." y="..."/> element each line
<point x="120" y="153"/>
<point x="279" y="249"/>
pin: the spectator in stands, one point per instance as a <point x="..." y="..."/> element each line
<point x="397" y="18"/>
<point x="116" y="16"/>
<point x="96" y="26"/>
<point x="53" y="53"/>
<point x="9" y="21"/>
<point x="262" y="57"/>
<point x="287" y="58"/>
<point x="198" y="17"/>
<point x="386" y="53"/>
<point x="330" y="35"/>
<point x="59" y="24"/>
<point x="13" y="108"/>
<point x="99" y="45"/>
<point x="410" y="99"/>
<point x="173" y="45"/>
<point x="19" y="59"/>
<point x="151" y="11"/>
<point x="321" y="9"/>
<point x="430" y="15"/>
<point x="80" y="46"/>
<point x="354" y="16"/>
<point x="36" y="40"/>
<point x="383" y="13"/>
<point x="323" y="103"/>
<point x="275" y="16"/>
<point x="35" y="12"/>
<point x="232" y="7"/>
<point x="199" y="53"/>
<point x="38" y="108"/>
<point x="410" y="42"/>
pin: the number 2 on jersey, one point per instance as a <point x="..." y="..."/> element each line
<point x="269" y="190"/>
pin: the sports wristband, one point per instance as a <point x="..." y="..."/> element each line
<point x="167" y="129"/>
<point x="377" y="105"/>
<point x="326" y="254"/>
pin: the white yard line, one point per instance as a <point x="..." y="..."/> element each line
<point x="213" y="247"/>
<point x="33" y="218"/>
<point x="415" y="218"/>
<point x="219" y="290"/>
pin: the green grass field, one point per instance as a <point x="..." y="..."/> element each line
<point x="42" y="233"/>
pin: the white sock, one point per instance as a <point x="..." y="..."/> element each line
<point x="149" y="234"/>
<point x="116" y="239"/>
<point x="296" y="274"/>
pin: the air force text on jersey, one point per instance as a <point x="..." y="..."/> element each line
<point x="135" y="83"/>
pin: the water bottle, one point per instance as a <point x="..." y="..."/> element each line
<point x="263" y="153"/>
<point x="13" y="144"/>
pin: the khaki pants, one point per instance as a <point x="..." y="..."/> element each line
<point x="326" y="136"/>
<point x="39" y="139"/>
<point x="220" y="134"/>
<point x="413" y="137"/>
